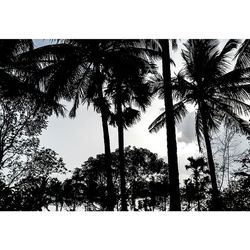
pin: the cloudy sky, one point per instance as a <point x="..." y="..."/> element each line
<point x="77" y="139"/>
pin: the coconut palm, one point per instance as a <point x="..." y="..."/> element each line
<point x="72" y="70"/>
<point x="165" y="86"/>
<point x="243" y="55"/>
<point x="11" y="73"/>
<point x="127" y="87"/>
<point x="15" y="75"/>
<point x="77" y="70"/>
<point x="174" y="189"/>
<point x="217" y="93"/>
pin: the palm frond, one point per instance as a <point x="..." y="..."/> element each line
<point x="158" y="123"/>
<point x="180" y="112"/>
<point x="242" y="55"/>
<point x="174" y="44"/>
<point x="129" y="117"/>
<point x="198" y="129"/>
<point x="239" y="106"/>
<point x="232" y="119"/>
<point x="72" y="113"/>
<point x="229" y="46"/>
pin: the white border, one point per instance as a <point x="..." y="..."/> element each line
<point x="124" y="19"/>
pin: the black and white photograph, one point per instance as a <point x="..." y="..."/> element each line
<point x="124" y="125"/>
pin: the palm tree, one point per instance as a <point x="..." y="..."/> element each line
<point x="127" y="87"/>
<point x="174" y="189"/>
<point x="218" y="94"/>
<point x="11" y="72"/>
<point x="243" y="55"/>
<point x="168" y="118"/>
<point x="77" y="70"/>
<point x="197" y="166"/>
<point x="15" y="75"/>
<point x="73" y="70"/>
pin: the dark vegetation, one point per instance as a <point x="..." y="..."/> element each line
<point x="120" y="78"/>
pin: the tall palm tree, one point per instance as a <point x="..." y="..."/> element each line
<point x="174" y="189"/>
<point x="127" y="87"/>
<point x="77" y="70"/>
<point x="217" y="93"/>
<point x="163" y="49"/>
<point x="73" y="70"/>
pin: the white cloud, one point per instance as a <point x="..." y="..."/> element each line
<point x="186" y="129"/>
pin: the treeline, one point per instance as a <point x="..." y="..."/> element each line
<point x="147" y="185"/>
<point x="120" y="78"/>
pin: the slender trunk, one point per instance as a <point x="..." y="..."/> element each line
<point x="133" y="208"/>
<point x="108" y="161"/>
<point x="120" y="126"/>
<point x="133" y="197"/>
<point x="197" y="190"/>
<point x="228" y="168"/>
<point x="215" y="191"/>
<point x="170" y="126"/>
<point x="224" y="159"/>
<point x="61" y="206"/>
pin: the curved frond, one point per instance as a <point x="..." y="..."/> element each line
<point x="158" y="123"/>
<point x="129" y="116"/>
<point x="243" y="55"/>
<point x="198" y="129"/>
<point x="180" y="112"/>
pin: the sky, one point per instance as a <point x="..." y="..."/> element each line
<point x="75" y="140"/>
<point x="75" y="19"/>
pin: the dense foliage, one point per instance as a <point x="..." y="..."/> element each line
<point x="120" y="78"/>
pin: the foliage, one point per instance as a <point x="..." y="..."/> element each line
<point x="237" y="196"/>
<point x="13" y="74"/>
<point x="35" y="186"/>
<point x="197" y="187"/>
<point x="206" y="79"/>
<point x="113" y="76"/>
<point x="20" y="125"/>
<point x="146" y="179"/>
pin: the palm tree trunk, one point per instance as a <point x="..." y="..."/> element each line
<point x="170" y="125"/>
<point x="56" y="206"/>
<point x="215" y="191"/>
<point x="120" y="126"/>
<point x="197" y="190"/>
<point x="108" y="161"/>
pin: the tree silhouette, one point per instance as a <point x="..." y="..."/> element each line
<point x="218" y="94"/>
<point x="237" y="198"/>
<point x="16" y="75"/>
<point x="20" y="126"/>
<point x="77" y="70"/>
<point x="72" y="70"/>
<point x="199" y="178"/>
<point x="164" y="84"/>
<point x="55" y="192"/>
<point x="146" y="180"/>
<point x="32" y="190"/>
<point x="127" y="88"/>
<point x="12" y="73"/>
<point x="170" y="126"/>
